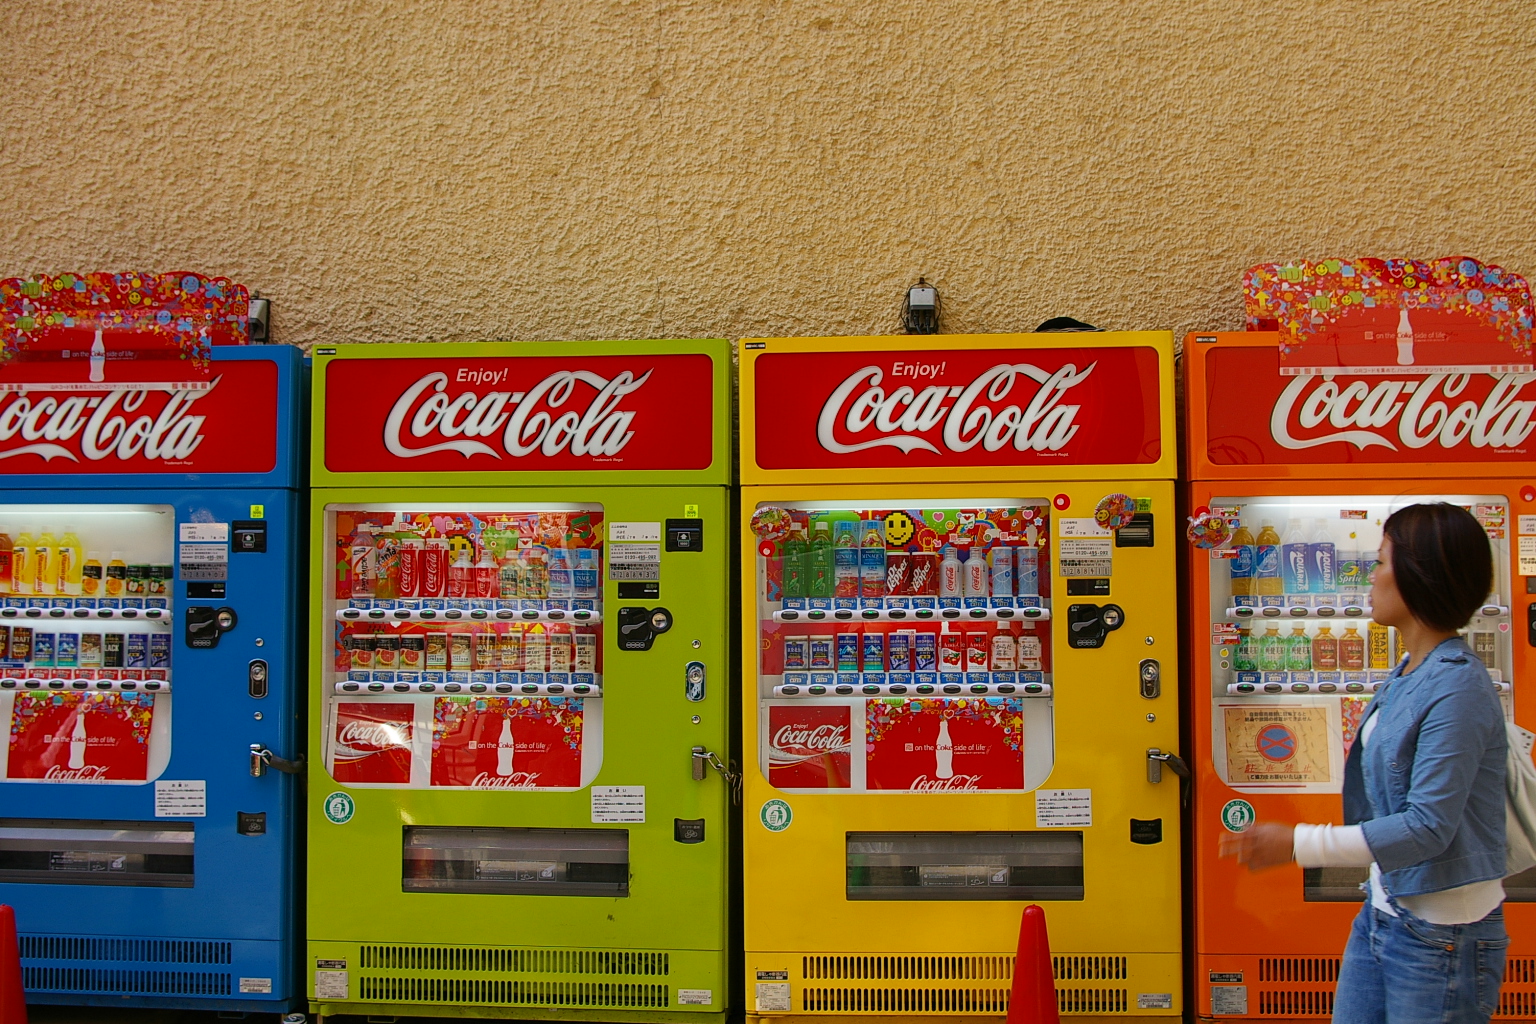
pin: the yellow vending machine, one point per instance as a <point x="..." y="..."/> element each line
<point x="959" y="571"/>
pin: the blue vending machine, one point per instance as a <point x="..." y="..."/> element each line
<point x="150" y="602"/>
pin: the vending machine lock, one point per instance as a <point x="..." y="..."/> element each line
<point x="262" y="759"/>
<point x="705" y="759"/>
<point x="1151" y="678"/>
<point x="206" y="625"/>
<point x="1089" y="624"/>
<point x="256" y="678"/>
<point x="693" y="681"/>
<point x="639" y="627"/>
<point x="1157" y="758"/>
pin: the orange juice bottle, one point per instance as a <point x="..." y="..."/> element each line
<point x="1266" y="563"/>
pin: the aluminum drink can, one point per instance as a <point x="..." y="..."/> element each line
<point x="1001" y="558"/>
<point x="847" y="652"/>
<point x="112" y="650"/>
<point x="90" y="649"/>
<point x="159" y="650"/>
<point x="874" y="652"/>
<point x="898" y="572"/>
<point x="410" y="567"/>
<point x="924" y="651"/>
<point x="924" y="576"/>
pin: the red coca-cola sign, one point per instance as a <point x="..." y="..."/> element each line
<point x="80" y="737"/>
<point x="942" y="746"/>
<point x="506" y="743"/>
<point x="373" y="743"/>
<point x="957" y="407"/>
<point x="222" y="422"/>
<point x="643" y="412"/>
<point x="1255" y="416"/>
<point x="810" y="746"/>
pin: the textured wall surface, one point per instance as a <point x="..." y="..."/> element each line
<point x="461" y="170"/>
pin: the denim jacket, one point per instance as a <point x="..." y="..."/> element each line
<point x="1428" y="790"/>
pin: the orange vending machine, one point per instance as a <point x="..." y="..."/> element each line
<point x="1305" y="468"/>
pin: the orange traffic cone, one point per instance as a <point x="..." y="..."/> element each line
<point x="13" y="1001"/>
<point x="1033" y="999"/>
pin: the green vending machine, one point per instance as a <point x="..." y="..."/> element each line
<point x="519" y="805"/>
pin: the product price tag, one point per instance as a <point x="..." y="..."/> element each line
<point x="181" y="798"/>
<point x="617" y="804"/>
<point x="623" y="533"/>
<point x="1088" y="527"/>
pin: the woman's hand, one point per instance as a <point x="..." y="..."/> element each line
<point x="1265" y="845"/>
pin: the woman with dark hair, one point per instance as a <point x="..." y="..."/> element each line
<point x="1423" y="794"/>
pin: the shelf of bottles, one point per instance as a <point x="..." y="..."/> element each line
<point x="486" y="601"/>
<point x="1290" y="596"/>
<point x="941" y="602"/>
<point x="85" y="605"/>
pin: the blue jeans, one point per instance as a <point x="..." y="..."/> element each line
<point x="1404" y="970"/>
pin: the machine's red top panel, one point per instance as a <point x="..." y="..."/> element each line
<point x="1247" y="421"/>
<point x="502" y="412"/>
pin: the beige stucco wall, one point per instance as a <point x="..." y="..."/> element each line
<point x="452" y="169"/>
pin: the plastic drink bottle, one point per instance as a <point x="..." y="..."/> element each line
<point x="1293" y="559"/>
<point x="950" y="573"/>
<point x="1266" y="561"/>
<point x="845" y="560"/>
<point x="1272" y="650"/>
<point x="68" y="559"/>
<point x="944" y="753"/>
<point x="1027" y="570"/>
<point x="1351" y="649"/>
<point x="116" y="577"/>
<point x="1367" y="567"/>
<point x="362" y="564"/>
<point x="23" y="568"/>
<point x="1241" y="566"/>
<point x="507" y="575"/>
<point x="7" y="554"/>
<point x="1245" y="658"/>
<point x="536" y="572"/>
<point x="872" y="558"/>
<point x="562" y="584"/>
<point x="91" y="575"/>
<point x="1322" y="559"/>
<point x="795" y="555"/>
<point x="1325" y="649"/>
<point x="973" y="582"/>
<point x="486" y="572"/>
<point x="459" y="575"/>
<point x="1298" y="650"/>
<point x="1351" y="574"/>
<point x="45" y="565"/>
<point x="822" y="569"/>
<point x="587" y="572"/>
<point x="1001" y="557"/>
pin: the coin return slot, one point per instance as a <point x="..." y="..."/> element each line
<point x="55" y="851"/>
<point x="516" y="861"/>
<point x="965" y="865"/>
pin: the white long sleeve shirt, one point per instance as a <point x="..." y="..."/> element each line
<point x="1340" y="846"/>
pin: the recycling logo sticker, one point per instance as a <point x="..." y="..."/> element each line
<point x="776" y="815"/>
<point x="1238" y="816"/>
<point x="339" y="808"/>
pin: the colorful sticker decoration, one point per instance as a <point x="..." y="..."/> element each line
<point x="1114" y="511"/>
<point x="771" y="522"/>
<point x="178" y="311"/>
<point x="1207" y="531"/>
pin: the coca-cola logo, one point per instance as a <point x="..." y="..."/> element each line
<point x="90" y="773"/>
<point x="365" y="737"/>
<point x="953" y="784"/>
<point x="1442" y="409"/>
<point x="861" y="414"/>
<point x="816" y="739"/>
<point x="517" y="780"/>
<point x="570" y="410"/>
<point x="121" y="424"/>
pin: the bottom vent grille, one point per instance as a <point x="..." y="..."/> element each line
<point x="1299" y="1003"/>
<point x="952" y="1000"/>
<point x="1520" y="970"/>
<point x="470" y="992"/>
<point x="514" y="961"/>
<point x="85" y="979"/>
<point x="162" y="951"/>
<point x="1299" y="968"/>
<point x="1516" y="1004"/>
<point x="907" y="968"/>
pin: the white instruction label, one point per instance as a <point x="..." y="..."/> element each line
<point x="1081" y="528"/>
<point x="695" y="996"/>
<point x="209" y="532"/>
<point x="623" y="533"/>
<point x="181" y="798"/>
<point x="1527" y="556"/>
<point x="773" y="996"/>
<point x="330" y="984"/>
<point x="617" y="804"/>
<point x="1063" y="808"/>
<point x="1087" y="556"/>
<point x="1526" y="524"/>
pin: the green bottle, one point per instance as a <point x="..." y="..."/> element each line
<point x="1298" y="650"/>
<point x="795" y="555"/>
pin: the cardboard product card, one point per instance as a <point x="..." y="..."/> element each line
<point x="80" y="737"/>
<point x="1275" y="743"/>
<point x="1351" y="715"/>
<point x="810" y="746"/>
<point x="373" y="743"/>
<point x="936" y="745"/>
<point x="507" y="742"/>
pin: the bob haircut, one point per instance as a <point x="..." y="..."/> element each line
<point x="1441" y="561"/>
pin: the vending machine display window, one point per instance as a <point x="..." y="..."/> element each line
<point x="467" y="648"/>
<point x="905" y="648"/>
<point x="965" y="865"/>
<point x="77" y="852"/>
<point x="1295" y="654"/>
<point x="518" y="861"/>
<point x="86" y="628"/>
